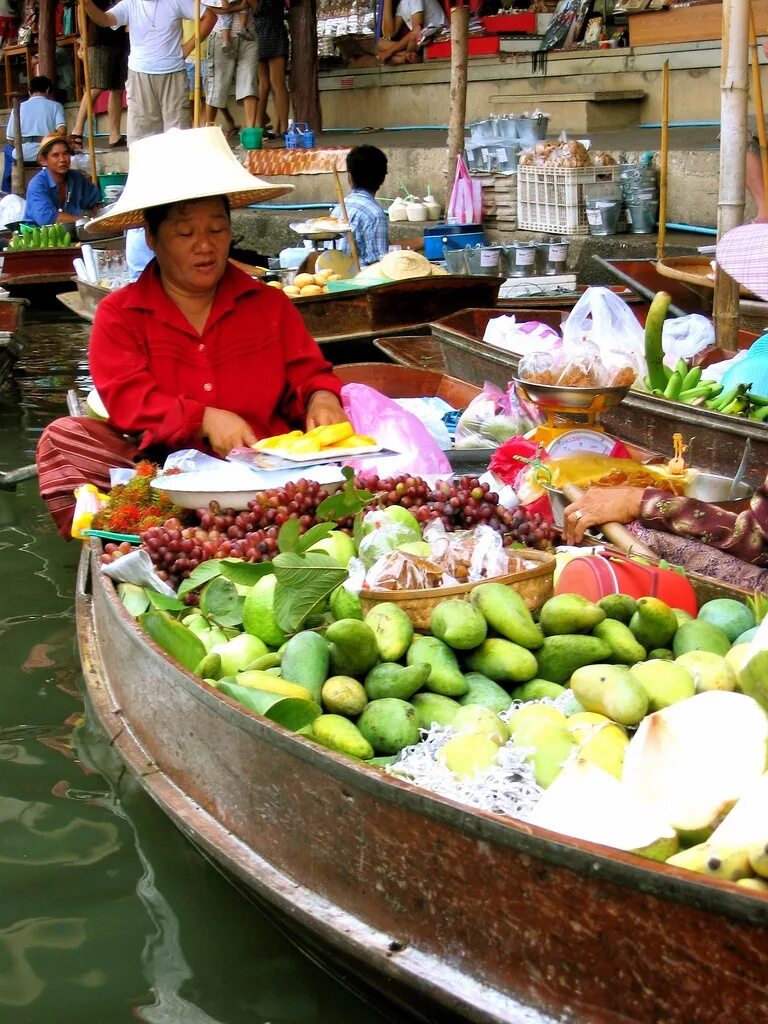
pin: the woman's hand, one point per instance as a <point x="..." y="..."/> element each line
<point x="600" y="505"/>
<point x="225" y="431"/>
<point x="324" y="409"/>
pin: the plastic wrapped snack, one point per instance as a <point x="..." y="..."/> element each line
<point x="401" y="570"/>
<point x="493" y="417"/>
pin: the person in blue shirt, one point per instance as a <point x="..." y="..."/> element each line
<point x="40" y="115"/>
<point x="57" y="193"/>
<point x="366" y="171"/>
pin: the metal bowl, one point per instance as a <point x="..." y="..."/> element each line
<point x="552" y="396"/>
<point x="558" y="503"/>
<point x="715" y="489"/>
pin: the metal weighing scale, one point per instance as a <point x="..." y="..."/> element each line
<point x="571" y="416"/>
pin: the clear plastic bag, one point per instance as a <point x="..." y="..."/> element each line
<point x="493" y="417"/>
<point x="384" y="539"/>
<point x="604" y="319"/>
<point x="683" y="337"/>
<point x="578" y="365"/>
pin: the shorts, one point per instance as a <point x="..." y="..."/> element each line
<point x="157" y="103"/>
<point x="237" y="66"/>
<point x="108" y="67"/>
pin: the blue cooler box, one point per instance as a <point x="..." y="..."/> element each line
<point x="461" y="235"/>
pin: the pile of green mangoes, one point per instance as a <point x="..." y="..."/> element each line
<point x="50" y="236"/>
<point x="373" y="683"/>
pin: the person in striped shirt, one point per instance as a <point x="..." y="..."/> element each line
<point x="366" y="171"/>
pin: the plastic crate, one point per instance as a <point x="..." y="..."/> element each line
<point x="551" y="199"/>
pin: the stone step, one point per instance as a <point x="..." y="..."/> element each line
<point x="580" y="111"/>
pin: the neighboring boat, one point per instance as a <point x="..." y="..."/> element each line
<point x="641" y="418"/>
<point x="11" y="324"/>
<point x="38" y="274"/>
<point x="451" y="914"/>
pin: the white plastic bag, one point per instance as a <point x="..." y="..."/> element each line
<point x="506" y="333"/>
<point x="683" y="337"/>
<point x="602" y="317"/>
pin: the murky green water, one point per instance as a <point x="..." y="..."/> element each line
<point x="107" y="914"/>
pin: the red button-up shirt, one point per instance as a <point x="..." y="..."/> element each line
<point x="156" y="375"/>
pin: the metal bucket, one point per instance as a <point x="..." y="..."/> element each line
<point x="532" y="129"/>
<point x="454" y="261"/>
<point x="520" y="259"/>
<point x="641" y="217"/>
<point x="485" y="260"/>
<point x="603" y="215"/>
<point x="552" y="256"/>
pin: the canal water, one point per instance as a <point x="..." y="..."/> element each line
<point x="108" y="914"/>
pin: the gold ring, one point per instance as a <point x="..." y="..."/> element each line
<point x="578" y="514"/>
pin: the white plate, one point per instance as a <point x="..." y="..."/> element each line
<point x="230" y="489"/>
<point x="321" y="233"/>
<point x="314" y="458"/>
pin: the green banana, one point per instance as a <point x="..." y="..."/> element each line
<point x="692" y="378"/>
<point x="736" y="407"/>
<point x="654" y="353"/>
<point x="759" y="415"/>
<point x="674" y="386"/>
<point x="703" y="390"/>
<point x="759" y="400"/>
<point x="725" y="398"/>
<point x="681" y="367"/>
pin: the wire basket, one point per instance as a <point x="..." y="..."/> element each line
<point x="552" y="198"/>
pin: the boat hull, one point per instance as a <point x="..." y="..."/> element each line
<point x="449" y="913"/>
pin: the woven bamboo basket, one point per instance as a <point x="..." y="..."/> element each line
<point x="535" y="586"/>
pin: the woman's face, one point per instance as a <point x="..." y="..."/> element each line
<point x="192" y="244"/>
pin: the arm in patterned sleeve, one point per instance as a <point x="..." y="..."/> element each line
<point x="744" y="535"/>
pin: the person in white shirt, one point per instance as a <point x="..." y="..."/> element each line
<point x="406" y="29"/>
<point x="39" y="116"/>
<point x="157" y="86"/>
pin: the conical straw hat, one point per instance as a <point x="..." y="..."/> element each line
<point x="180" y="165"/>
<point x="403" y="264"/>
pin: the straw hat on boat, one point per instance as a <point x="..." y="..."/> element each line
<point x="180" y="165"/>
<point x="743" y="253"/>
<point x="402" y="264"/>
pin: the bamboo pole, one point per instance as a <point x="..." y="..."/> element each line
<point x="663" y="161"/>
<point x="733" y="124"/>
<point x="342" y="206"/>
<point x="83" y="19"/>
<point x="757" y="98"/>
<point x="458" y="115"/>
<point x="17" y="171"/>
<point x="196" y="122"/>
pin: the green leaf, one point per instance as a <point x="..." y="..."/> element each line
<point x="165" y="603"/>
<point x="174" y="638"/>
<point x="221" y="602"/>
<point x="288" y="537"/>
<point x="291" y="712"/>
<point x="200" y="575"/>
<point x="244" y="573"/>
<point x="346" y="502"/>
<point x="313" y="535"/>
<point x="134" y="598"/>
<point x="304" y="582"/>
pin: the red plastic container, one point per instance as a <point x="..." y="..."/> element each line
<point x="515" y="24"/>
<point x="478" y="46"/>
<point x="597" y="576"/>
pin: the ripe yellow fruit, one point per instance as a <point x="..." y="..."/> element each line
<point x="292" y="290"/>
<point x="274" y="284"/>
<point x="301" y="280"/>
<point x="333" y="277"/>
<point x="322" y="275"/>
<point x="324" y="290"/>
<point x="311" y="289"/>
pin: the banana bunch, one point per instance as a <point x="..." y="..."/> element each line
<point x="687" y="386"/>
<point x="746" y="865"/>
<point x="320" y="440"/>
<point x="50" y="236"/>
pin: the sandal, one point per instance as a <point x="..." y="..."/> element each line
<point x="120" y="142"/>
<point x="76" y="140"/>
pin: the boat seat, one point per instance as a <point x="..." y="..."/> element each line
<point x="580" y="111"/>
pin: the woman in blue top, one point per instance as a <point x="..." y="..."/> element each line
<point x="57" y="193"/>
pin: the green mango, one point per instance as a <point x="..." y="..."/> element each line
<point x="566" y="614"/>
<point x="434" y="709"/>
<point x="507" y="613"/>
<point x="209" y="667"/>
<point x="458" y="624"/>
<point x="620" y="638"/>
<point x="618" y="606"/>
<point x="560" y="656"/>
<point x="733" y="617"/>
<point x="502" y="661"/>
<point x="480" y="719"/>
<point x="468" y="755"/>
<point x="611" y="690"/>
<point x="305" y="661"/>
<point x="664" y="682"/>
<point x="698" y="635"/>
<point x="389" y="725"/>
<point x="339" y="734"/>
<point x="392" y="630"/>
<point x="391" y="680"/>
<point x="661" y="654"/>
<point x="654" y="623"/>
<point x="354" y="649"/>
<point x="174" y="638"/>
<point x="445" y="676"/>
<point x="482" y="690"/>
<point x="536" y="689"/>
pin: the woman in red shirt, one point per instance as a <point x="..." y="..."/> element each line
<point x="195" y="354"/>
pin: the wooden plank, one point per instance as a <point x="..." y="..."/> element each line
<point x="603" y="96"/>
<point x="683" y="25"/>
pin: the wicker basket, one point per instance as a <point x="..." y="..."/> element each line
<point x="535" y="586"/>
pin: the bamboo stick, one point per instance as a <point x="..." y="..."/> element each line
<point x="757" y="98"/>
<point x="458" y="115"/>
<point x="196" y="93"/>
<point x="83" y="19"/>
<point x="663" y="162"/>
<point x="17" y="171"/>
<point x="342" y="206"/>
<point x="733" y="122"/>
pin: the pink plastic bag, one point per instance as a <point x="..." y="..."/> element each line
<point x="377" y="416"/>
<point x="466" y="203"/>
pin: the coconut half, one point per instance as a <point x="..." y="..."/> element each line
<point x="693" y="760"/>
<point x="586" y="802"/>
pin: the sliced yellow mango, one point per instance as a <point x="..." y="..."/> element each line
<point x="335" y="434"/>
<point x="278" y="441"/>
<point x="359" y="441"/>
<point x="304" y="446"/>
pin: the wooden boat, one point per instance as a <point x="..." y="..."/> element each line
<point x="408" y="382"/>
<point x="641" y="418"/>
<point x="452" y="914"/>
<point x="38" y="274"/>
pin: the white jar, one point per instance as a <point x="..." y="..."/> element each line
<point x="416" y="210"/>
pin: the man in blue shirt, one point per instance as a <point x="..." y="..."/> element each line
<point x="57" y="193"/>
<point x="39" y="116"/>
<point x="366" y="171"/>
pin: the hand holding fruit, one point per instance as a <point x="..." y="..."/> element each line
<point x="600" y="505"/>
<point x="323" y="409"/>
<point x="225" y="431"/>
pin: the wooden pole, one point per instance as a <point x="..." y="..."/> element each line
<point x="734" y="91"/>
<point x="196" y="92"/>
<point x="340" y="199"/>
<point x="83" y="18"/>
<point x="757" y="98"/>
<point x="46" y="40"/>
<point x="17" y="171"/>
<point x="458" y="115"/>
<point x="663" y="161"/>
<point x="302" y="80"/>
